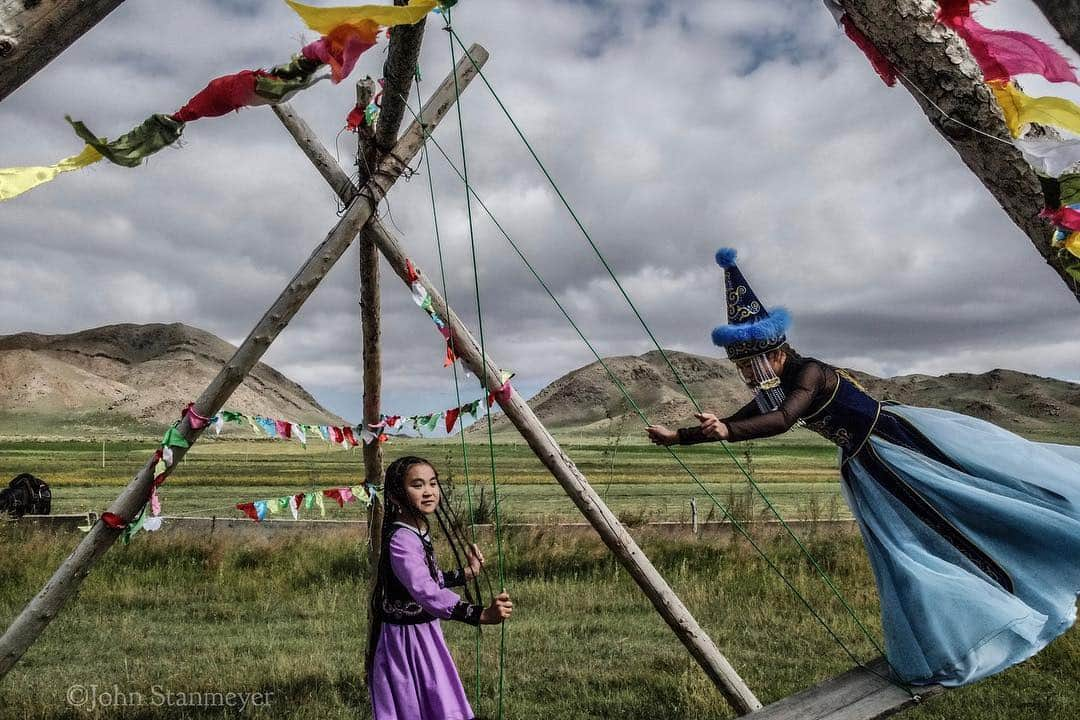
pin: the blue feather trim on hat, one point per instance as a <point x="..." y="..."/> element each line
<point x="769" y="328"/>
<point x="725" y="257"/>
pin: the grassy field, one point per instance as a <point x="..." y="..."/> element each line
<point x="639" y="481"/>
<point x="169" y="617"/>
<point x="286" y="617"/>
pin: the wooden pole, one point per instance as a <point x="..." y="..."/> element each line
<point x="40" y="611"/>
<point x="398" y="71"/>
<point x="402" y="57"/>
<point x="32" y="33"/>
<point x="370" y="321"/>
<point x="614" y="535"/>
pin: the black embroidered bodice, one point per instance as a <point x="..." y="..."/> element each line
<point x="397" y="605"/>
<point x="847" y="418"/>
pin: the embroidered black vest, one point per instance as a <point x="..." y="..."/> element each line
<point x="398" y="606"/>
<point x="848" y="418"/>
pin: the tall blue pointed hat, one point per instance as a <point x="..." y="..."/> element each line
<point x="751" y="329"/>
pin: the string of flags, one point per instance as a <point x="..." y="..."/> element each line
<point x="257" y="510"/>
<point x="1002" y="55"/>
<point x="345" y="34"/>
<point x="163" y="459"/>
<point x="423" y="299"/>
<point x="352" y="436"/>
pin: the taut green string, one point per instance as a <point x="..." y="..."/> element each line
<point x="757" y="488"/>
<point x="483" y="360"/>
<point x="637" y="409"/>
<point x="453" y="365"/>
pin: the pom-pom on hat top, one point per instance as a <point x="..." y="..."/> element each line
<point x="750" y="330"/>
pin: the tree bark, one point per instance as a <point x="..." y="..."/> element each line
<point x="398" y="74"/>
<point x="1064" y="15"/>
<point x="40" y="611"/>
<point x="370" y="320"/>
<point x="936" y="65"/>
<point x="33" y="32"/>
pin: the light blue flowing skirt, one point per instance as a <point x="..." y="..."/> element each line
<point x="945" y="620"/>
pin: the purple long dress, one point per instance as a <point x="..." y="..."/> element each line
<point x="413" y="676"/>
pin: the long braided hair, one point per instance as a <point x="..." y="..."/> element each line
<point x="398" y="508"/>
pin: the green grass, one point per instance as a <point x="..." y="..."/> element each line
<point x="635" y="479"/>
<point x="287" y="617"/>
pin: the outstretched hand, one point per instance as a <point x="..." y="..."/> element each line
<point x="661" y="435"/>
<point x="712" y="427"/>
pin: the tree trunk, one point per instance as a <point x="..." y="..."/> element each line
<point x="936" y="65"/>
<point x="1064" y="15"/>
<point x="33" y="32"/>
<point x="398" y="74"/>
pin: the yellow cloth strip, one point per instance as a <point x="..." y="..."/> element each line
<point x="17" y="180"/>
<point x="1072" y="244"/>
<point x="324" y="20"/>
<point x="1021" y="109"/>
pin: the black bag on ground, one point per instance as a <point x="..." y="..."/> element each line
<point x="26" y="495"/>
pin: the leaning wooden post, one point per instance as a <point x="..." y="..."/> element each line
<point x="40" y="611"/>
<point x="611" y="531"/>
<point x="33" y="33"/>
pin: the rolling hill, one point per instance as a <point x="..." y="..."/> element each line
<point x="585" y="400"/>
<point x="131" y="379"/>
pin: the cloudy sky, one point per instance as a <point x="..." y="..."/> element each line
<point x="674" y="128"/>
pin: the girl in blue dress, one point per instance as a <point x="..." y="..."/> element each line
<point x="973" y="532"/>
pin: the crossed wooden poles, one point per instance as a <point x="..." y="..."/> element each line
<point x="359" y="215"/>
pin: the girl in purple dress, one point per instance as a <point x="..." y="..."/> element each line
<point x="410" y="673"/>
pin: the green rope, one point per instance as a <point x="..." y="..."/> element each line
<point x="757" y="488"/>
<point x="483" y="360"/>
<point x="457" y="384"/>
<point x="641" y="414"/>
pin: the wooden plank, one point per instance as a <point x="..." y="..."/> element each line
<point x="855" y="695"/>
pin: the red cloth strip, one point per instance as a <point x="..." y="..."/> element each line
<point x="1065" y="217"/>
<point x="451" y="418"/>
<point x="197" y="421"/>
<point x="335" y="494"/>
<point x="355" y="119"/>
<point x="343" y="47"/>
<point x="113" y="520"/>
<point x="881" y="64"/>
<point x="221" y="96"/>
<point x="248" y="509"/>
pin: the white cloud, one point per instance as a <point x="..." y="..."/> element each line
<point x="672" y="128"/>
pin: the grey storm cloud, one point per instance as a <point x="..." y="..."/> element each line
<point x="673" y="128"/>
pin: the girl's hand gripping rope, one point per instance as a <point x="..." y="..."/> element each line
<point x="499" y="610"/>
